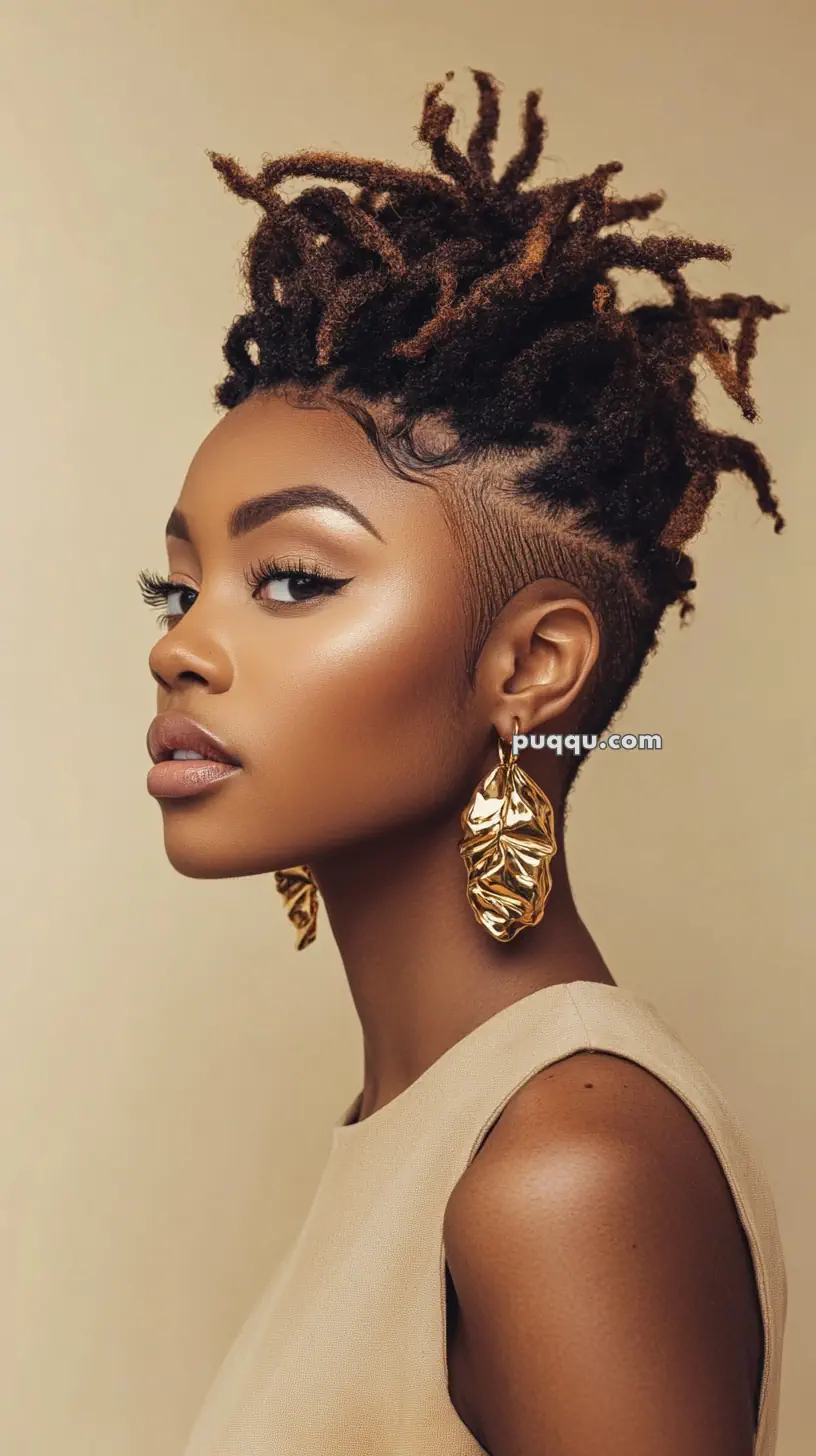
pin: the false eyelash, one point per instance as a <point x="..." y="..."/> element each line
<point x="276" y="570"/>
<point x="156" y="589"/>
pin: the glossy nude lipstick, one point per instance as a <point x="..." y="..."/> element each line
<point x="203" y="759"/>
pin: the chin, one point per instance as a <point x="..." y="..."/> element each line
<point x="203" y="863"/>
<point x="219" y="851"/>
<point x="200" y="857"/>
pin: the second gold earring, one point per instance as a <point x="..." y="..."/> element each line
<point x="298" y="890"/>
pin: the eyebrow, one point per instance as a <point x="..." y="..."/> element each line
<point x="251" y="514"/>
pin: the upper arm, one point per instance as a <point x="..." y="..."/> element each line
<point x="600" y="1283"/>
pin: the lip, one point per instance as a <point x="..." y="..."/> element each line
<point x="180" y="778"/>
<point x="170" y="731"/>
<point x="171" y="778"/>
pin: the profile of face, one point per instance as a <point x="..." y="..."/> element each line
<point x="320" y="635"/>
<point x="339" y="683"/>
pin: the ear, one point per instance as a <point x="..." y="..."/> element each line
<point x="538" y="656"/>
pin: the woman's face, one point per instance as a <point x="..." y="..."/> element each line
<point x="346" y="702"/>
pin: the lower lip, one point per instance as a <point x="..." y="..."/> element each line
<point x="179" y="778"/>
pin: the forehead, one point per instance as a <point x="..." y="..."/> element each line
<point x="268" y="443"/>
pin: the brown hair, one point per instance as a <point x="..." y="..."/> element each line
<point x="452" y="292"/>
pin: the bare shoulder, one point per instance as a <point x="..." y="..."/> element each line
<point x="603" y="1279"/>
<point x="602" y="1115"/>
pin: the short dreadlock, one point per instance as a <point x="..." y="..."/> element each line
<point x="453" y="293"/>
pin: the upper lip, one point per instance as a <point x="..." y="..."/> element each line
<point x="169" y="731"/>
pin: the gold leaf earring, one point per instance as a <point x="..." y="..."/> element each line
<point x="509" y="840"/>
<point x="299" y="892"/>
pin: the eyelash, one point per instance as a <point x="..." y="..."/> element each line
<point x="156" y="589"/>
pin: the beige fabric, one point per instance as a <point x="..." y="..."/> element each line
<point x="345" y="1351"/>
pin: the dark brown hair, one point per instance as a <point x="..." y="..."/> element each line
<point x="455" y="293"/>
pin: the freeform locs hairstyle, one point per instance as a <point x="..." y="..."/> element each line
<point x="454" y="293"/>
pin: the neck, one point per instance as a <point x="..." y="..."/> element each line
<point x="422" y="971"/>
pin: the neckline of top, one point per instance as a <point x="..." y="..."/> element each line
<point x="345" y="1130"/>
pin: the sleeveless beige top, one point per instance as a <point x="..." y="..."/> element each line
<point x="345" y="1354"/>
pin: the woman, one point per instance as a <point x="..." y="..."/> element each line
<point x="444" y="514"/>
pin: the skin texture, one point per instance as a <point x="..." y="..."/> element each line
<point x="603" y="1285"/>
<point x="361" y="739"/>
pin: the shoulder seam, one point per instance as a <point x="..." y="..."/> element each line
<point x="589" y="1042"/>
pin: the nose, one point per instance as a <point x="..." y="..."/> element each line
<point x="177" y="658"/>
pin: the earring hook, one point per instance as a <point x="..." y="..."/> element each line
<point x="508" y="755"/>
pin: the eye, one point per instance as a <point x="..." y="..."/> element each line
<point x="291" y="582"/>
<point x="274" y="583"/>
<point x="294" y="586"/>
<point x="155" y="590"/>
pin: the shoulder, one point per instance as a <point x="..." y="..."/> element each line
<point x="607" y="1119"/>
<point x="602" y="1276"/>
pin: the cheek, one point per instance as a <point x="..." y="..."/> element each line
<point x="361" y="712"/>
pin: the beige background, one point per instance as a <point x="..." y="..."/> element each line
<point x="169" y="1069"/>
